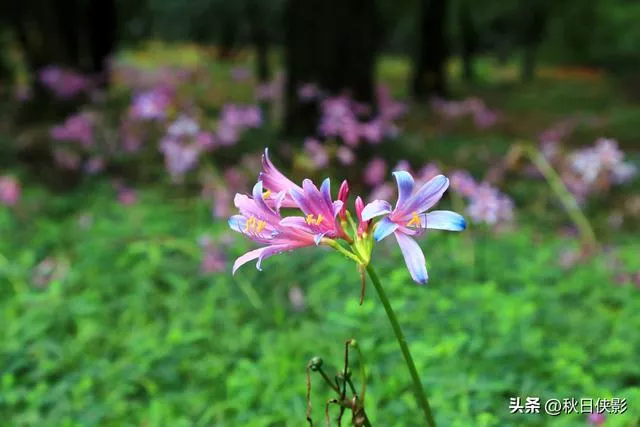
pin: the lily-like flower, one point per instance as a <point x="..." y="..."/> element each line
<point x="343" y="196"/>
<point x="275" y="182"/>
<point x="363" y="226"/>
<point x="409" y="218"/>
<point x="320" y="211"/>
<point x="261" y="223"/>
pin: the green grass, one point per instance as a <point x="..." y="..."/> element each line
<point x="134" y="335"/>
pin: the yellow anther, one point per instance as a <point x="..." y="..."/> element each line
<point x="309" y="219"/>
<point x="251" y="221"/>
<point x="266" y="194"/>
<point x="319" y="219"/>
<point x="415" y="220"/>
<point x="260" y="227"/>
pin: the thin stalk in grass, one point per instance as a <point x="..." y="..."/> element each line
<point x="402" y="341"/>
<point x="564" y="195"/>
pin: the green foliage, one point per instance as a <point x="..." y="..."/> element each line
<point x="132" y="334"/>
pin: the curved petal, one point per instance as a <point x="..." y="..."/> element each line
<point x="337" y="207"/>
<point x="405" y="187"/>
<point x="237" y="223"/>
<point x="384" y="228"/>
<point x="375" y="208"/>
<point x="445" y="220"/>
<point x="242" y="260"/>
<point x="296" y="222"/>
<point x="325" y="190"/>
<point x="413" y="257"/>
<point x="427" y="196"/>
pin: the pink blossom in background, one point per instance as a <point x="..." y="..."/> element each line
<point x="403" y="165"/>
<point x="235" y="179"/>
<point x="127" y="196"/>
<point x="296" y="298"/>
<point x="463" y="183"/>
<point x="251" y="116"/>
<point x="384" y="191"/>
<point x="596" y="419"/>
<point x="213" y="257"/>
<point x="345" y="155"/>
<point x="184" y="126"/>
<point x="608" y="152"/>
<point x="485" y="119"/>
<point x="375" y="171"/>
<point x="390" y="110"/>
<point x="317" y="152"/>
<point x="227" y="134"/>
<point x="77" y="128"/>
<point x="179" y="157"/>
<point x="428" y="172"/>
<point x="222" y="202"/>
<point x="130" y="135"/>
<point x="206" y="140"/>
<point x="338" y="120"/>
<point x="372" y="131"/>
<point x="63" y="83"/>
<point x="151" y="105"/>
<point x="488" y="205"/>
<point x="308" y="92"/>
<point x="9" y="190"/>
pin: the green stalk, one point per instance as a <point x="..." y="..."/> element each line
<point x="402" y="341"/>
<point x="565" y="197"/>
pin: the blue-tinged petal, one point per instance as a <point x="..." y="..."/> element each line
<point x="405" y="187"/>
<point x="446" y="220"/>
<point x="301" y="201"/>
<point x="375" y="208"/>
<point x="325" y="190"/>
<point x="337" y="207"/>
<point x="427" y="196"/>
<point x="318" y="237"/>
<point x="237" y="223"/>
<point x="413" y="257"/>
<point x="384" y="228"/>
<point x="242" y="260"/>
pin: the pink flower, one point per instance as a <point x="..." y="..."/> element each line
<point x="151" y="105"/>
<point x="319" y="210"/>
<point x="179" y="158"/>
<point x="317" y="152"/>
<point x="77" y="128"/>
<point x="222" y="202"/>
<point x="409" y="218"/>
<point x="308" y="92"/>
<point x="9" y="190"/>
<point x="94" y="165"/>
<point x="375" y="171"/>
<point x="240" y="73"/>
<point x="490" y="206"/>
<point x="213" y="260"/>
<point x="597" y="419"/>
<point x="262" y="224"/>
<point x="463" y="183"/>
<point x="345" y="155"/>
<point x="206" y="140"/>
<point x="343" y="196"/>
<point x="275" y="182"/>
<point x="63" y="83"/>
<point x="372" y="131"/>
<point x="127" y="196"/>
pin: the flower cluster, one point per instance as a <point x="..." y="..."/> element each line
<point x="485" y="203"/>
<point x="9" y="190"/>
<point x="325" y="221"/>
<point x="64" y="83"/>
<point x="483" y="117"/>
<point x="602" y="164"/>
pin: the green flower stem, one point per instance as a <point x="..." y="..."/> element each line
<point x="566" y="198"/>
<point x="402" y="341"/>
<point x="338" y="247"/>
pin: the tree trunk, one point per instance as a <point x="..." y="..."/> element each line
<point x="333" y="44"/>
<point x="535" y="21"/>
<point x="430" y="73"/>
<point x="228" y="31"/>
<point x="102" y="36"/>
<point x="260" y="38"/>
<point x="469" y="38"/>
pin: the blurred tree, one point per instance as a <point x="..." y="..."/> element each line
<point x="256" y="12"/>
<point x="331" y="43"/>
<point x="430" y="71"/>
<point x="534" y="16"/>
<point x="469" y="39"/>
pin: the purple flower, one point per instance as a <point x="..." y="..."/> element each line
<point x="94" y="165"/>
<point x="320" y="211"/>
<point x="9" y="190"/>
<point x="345" y="155"/>
<point x="184" y="126"/>
<point x="596" y="419"/>
<point x="63" y="83"/>
<point x="463" y="183"/>
<point x="151" y="105"/>
<point x="206" y="140"/>
<point x="375" y="171"/>
<point x="308" y="92"/>
<point x="317" y="152"/>
<point x="261" y="223"/>
<point x="179" y="158"/>
<point x="409" y="218"/>
<point x="240" y="73"/>
<point x="372" y="131"/>
<point x="490" y="206"/>
<point x="77" y="128"/>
